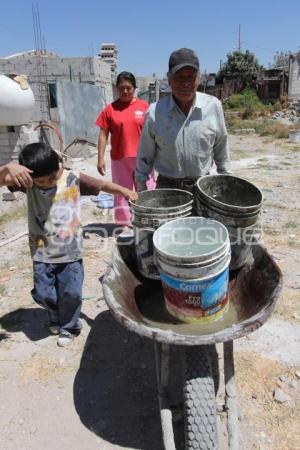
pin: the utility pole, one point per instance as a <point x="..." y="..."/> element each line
<point x="239" y="37"/>
<point x="156" y="89"/>
<point x="205" y="81"/>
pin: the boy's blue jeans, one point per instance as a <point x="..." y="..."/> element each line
<point x="58" y="288"/>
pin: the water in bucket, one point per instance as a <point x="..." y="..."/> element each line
<point x="193" y="255"/>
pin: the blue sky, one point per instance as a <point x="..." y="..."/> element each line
<point x="146" y="32"/>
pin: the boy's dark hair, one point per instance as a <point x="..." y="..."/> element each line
<point x="40" y="158"/>
<point x="128" y="76"/>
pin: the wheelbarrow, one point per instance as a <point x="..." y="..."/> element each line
<point x="138" y="304"/>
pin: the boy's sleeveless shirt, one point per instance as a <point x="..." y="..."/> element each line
<point x="55" y="231"/>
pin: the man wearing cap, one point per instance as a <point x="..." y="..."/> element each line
<point x="184" y="132"/>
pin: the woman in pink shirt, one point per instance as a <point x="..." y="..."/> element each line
<point x="124" y="120"/>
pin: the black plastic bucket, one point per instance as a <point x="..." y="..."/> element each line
<point x="236" y="203"/>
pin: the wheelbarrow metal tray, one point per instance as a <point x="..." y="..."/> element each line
<point x="138" y="303"/>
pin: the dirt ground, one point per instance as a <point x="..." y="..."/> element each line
<point x="100" y="392"/>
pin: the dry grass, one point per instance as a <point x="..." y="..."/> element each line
<point x="291" y="224"/>
<point x="257" y="377"/>
<point x="293" y="242"/>
<point x="287" y="307"/>
<point x="2" y="290"/>
<point x="262" y="126"/>
<point x="296" y="148"/>
<point x="277" y="130"/>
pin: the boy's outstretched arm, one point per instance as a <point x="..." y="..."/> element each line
<point x="13" y="174"/>
<point x="92" y="186"/>
<point x="113" y="188"/>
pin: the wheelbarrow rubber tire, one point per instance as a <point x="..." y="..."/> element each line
<point x="200" y="417"/>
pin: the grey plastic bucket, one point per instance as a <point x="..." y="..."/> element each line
<point x="193" y="255"/>
<point x="236" y="203"/>
<point x="149" y="212"/>
<point x="155" y="220"/>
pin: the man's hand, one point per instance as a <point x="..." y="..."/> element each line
<point x="130" y="195"/>
<point x="101" y="166"/>
<point x="19" y="175"/>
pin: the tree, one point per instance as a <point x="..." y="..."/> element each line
<point x="240" y="64"/>
<point x="281" y="59"/>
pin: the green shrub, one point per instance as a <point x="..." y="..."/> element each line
<point x="246" y="99"/>
<point x="249" y="105"/>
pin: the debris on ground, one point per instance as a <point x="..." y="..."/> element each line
<point x="82" y="396"/>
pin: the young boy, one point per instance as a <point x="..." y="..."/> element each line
<point x="55" y="232"/>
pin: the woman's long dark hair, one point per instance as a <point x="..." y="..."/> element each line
<point x="128" y="76"/>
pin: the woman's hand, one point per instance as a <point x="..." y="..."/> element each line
<point x="19" y="175"/>
<point x="101" y="166"/>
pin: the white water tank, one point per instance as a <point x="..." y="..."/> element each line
<point x="16" y="100"/>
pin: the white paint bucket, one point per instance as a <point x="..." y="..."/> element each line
<point x="193" y="255"/>
<point x="294" y="136"/>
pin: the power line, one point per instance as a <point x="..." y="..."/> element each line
<point x="258" y="46"/>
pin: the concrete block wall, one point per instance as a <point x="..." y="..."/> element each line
<point x="83" y="98"/>
<point x="90" y="70"/>
<point x="8" y="145"/>
<point x="143" y="82"/>
<point x="13" y="139"/>
<point x="294" y="78"/>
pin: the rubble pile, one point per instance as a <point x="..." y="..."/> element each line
<point x="292" y="113"/>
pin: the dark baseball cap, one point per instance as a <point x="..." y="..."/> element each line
<point x="182" y="58"/>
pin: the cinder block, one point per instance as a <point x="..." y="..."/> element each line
<point x="4" y="148"/>
<point x="4" y="160"/>
<point x="28" y="138"/>
<point x="4" y="139"/>
<point x="6" y="155"/>
<point x="13" y="139"/>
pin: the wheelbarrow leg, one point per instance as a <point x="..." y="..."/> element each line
<point x="162" y="358"/>
<point x="230" y="397"/>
